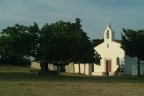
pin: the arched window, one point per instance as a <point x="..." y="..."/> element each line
<point x="107" y="34"/>
<point x="117" y="61"/>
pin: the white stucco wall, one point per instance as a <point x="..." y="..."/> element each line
<point x="35" y="65"/>
<point x="130" y="67"/>
<point x="110" y="53"/>
<point x="84" y="69"/>
<point x="69" y="68"/>
<point x="135" y="71"/>
<point x="142" y="68"/>
<point x="88" y="69"/>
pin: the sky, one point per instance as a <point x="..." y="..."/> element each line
<point x="94" y="14"/>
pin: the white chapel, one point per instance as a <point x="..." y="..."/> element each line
<point x="113" y="56"/>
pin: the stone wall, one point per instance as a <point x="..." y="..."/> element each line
<point x="68" y="68"/>
<point x="35" y="65"/>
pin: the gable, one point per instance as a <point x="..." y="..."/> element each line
<point x="115" y="41"/>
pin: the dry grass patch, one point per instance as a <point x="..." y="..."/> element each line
<point x="16" y="81"/>
<point x="42" y="88"/>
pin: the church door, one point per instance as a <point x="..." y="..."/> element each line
<point x="108" y="66"/>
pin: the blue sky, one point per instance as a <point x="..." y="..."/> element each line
<point x="94" y="14"/>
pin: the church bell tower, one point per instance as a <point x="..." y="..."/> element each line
<point x="109" y="34"/>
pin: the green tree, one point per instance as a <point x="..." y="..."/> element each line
<point x="44" y="51"/>
<point x="64" y="42"/>
<point x="19" y="42"/>
<point x="96" y="42"/>
<point x="132" y="43"/>
<point x="33" y="39"/>
<point x="4" y="47"/>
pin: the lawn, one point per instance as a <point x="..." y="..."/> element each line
<point x="17" y="81"/>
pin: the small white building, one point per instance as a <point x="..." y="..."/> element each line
<point x="114" y="56"/>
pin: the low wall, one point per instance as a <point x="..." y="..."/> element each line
<point x="69" y="68"/>
<point x="37" y="66"/>
<point x="98" y="73"/>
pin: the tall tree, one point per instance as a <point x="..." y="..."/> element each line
<point x="64" y="42"/>
<point x="20" y="41"/>
<point x="44" y="52"/>
<point x="132" y="43"/>
<point x="33" y="39"/>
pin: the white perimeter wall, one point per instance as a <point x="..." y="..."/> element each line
<point x="84" y="68"/>
<point x="70" y="68"/>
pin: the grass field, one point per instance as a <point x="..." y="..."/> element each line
<point x="16" y="81"/>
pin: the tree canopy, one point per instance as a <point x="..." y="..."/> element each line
<point x="132" y="43"/>
<point x="57" y="43"/>
<point x="18" y="41"/>
<point x="65" y="42"/>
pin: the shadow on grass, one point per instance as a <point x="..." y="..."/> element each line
<point x="8" y="76"/>
<point x="25" y="76"/>
<point x="105" y="79"/>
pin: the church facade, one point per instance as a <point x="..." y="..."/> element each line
<point x="113" y="57"/>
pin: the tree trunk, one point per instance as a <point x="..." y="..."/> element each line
<point x="84" y="69"/>
<point x="58" y="70"/>
<point x="44" y="66"/>
<point x="73" y="68"/>
<point x="62" y="67"/>
<point x="138" y="67"/>
<point x="79" y="68"/>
